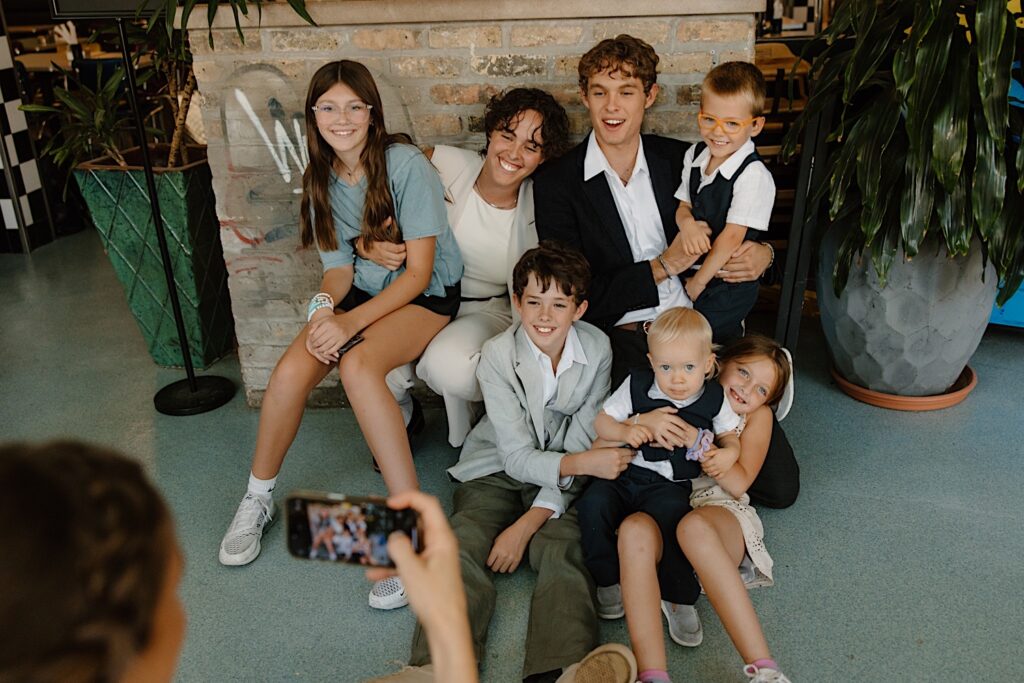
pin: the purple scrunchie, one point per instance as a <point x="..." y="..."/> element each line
<point x="705" y="440"/>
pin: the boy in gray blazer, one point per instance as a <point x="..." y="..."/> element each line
<point x="543" y="381"/>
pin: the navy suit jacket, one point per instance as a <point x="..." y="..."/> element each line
<point x="583" y="216"/>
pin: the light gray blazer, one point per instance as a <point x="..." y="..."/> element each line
<point x="510" y="438"/>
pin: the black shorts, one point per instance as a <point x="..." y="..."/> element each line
<point x="447" y="305"/>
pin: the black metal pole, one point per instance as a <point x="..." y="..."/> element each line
<point x="196" y="394"/>
<point x="800" y="251"/>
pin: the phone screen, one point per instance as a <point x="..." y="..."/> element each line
<point x="350" y="529"/>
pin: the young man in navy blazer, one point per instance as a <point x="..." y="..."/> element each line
<point x="611" y="197"/>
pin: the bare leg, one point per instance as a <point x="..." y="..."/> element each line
<point x="712" y="540"/>
<point x="394" y="340"/>
<point x="294" y="377"/>
<point x="640" y="547"/>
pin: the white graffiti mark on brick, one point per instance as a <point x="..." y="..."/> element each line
<point x="284" y="145"/>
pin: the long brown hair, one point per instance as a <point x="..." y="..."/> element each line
<point x="379" y="205"/>
<point x="754" y="346"/>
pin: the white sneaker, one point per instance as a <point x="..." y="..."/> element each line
<point x="683" y="624"/>
<point x="609" y="602"/>
<point x="757" y="675"/>
<point x="388" y="593"/>
<point x="241" y="543"/>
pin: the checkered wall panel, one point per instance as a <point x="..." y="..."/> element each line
<point x="23" y="211"/>
<point x="799" y="15"/>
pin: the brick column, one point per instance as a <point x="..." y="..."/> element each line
<point x="436" y="65"/>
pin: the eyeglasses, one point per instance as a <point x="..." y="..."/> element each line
<point x="710" y="122"/>
<point x="356" y="112"/>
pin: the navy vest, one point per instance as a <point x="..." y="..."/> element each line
<point x="712" y="203"/>
<point x="701" y="414"/>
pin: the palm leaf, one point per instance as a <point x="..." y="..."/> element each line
<point x="918" y="201"/>
<point x="952" y="113"/>
<point x="849" y="249"/>
<point x="930" y="61"/>
<point x="887" y="188"/>
<point x="826" y="87"/>
<point x="299" y="6"/>
<point x="990" y="27"/>
<point x="868" y="54"/>
<point x="883" y="249"/>
<point x="880" y="121"/>
<point x="953" y="211"/>
<point x="989" y="188"/>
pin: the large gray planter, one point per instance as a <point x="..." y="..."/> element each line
<point x="914" y="336"/>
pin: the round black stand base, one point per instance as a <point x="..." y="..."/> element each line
<point x="178" y="399"/>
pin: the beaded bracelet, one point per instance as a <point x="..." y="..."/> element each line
<point x="771" y="250"/>
<point x="319" y="300"/>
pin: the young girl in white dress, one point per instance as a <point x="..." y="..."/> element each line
<point x="722" y="537"/>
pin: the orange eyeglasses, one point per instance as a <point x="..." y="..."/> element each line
<point x="730" y="126"/>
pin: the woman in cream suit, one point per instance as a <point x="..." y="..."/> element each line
<point x="490" y="208"/>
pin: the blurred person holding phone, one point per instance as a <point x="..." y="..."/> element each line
<point x="91" y="546"/>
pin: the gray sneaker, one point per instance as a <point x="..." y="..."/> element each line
<point x="609" y="602"/>
<point x="683" y="623"/>
<point x="241" y="543"/>
<point x="757" y="675"/>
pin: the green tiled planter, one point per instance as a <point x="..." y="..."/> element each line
<point x="119" y="206"/>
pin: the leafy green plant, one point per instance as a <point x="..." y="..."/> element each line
<point x="88" y="120"/>
<point x="925" y="141"/>
<point x="172" y="57"/>
<point x="92" y="121"/>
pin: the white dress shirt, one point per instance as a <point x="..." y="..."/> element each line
<point x="638" y="210"/>
<point x="572" y="352"/>
<point x="753" y="193"/>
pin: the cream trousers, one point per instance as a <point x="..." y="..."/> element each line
<point x="448" y="364"/>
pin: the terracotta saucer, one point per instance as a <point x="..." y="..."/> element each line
<point x="964" y="384"/>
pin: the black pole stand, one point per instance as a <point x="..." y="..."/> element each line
<point x="799" y="253"/>
<point x="196" y="394"/>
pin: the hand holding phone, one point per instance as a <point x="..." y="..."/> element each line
<point x="349" y="529"/>
<point x="432" y="574"/>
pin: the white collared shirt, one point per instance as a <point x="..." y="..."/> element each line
<point x="572" y="352"/>
<point x="638" y="210"/>
<point x="753" y="193"/>
<point x="619" y="406"/>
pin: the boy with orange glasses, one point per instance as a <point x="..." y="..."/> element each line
<point x="726" y="194"/>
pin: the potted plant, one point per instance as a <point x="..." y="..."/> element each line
<point x="93" y="127"/>
<point x="922" y="190"/>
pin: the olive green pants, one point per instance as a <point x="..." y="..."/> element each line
<point x="563" y="621"/>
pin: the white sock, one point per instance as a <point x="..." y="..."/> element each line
<point x="261" y="487"/>
<point x="400" y="382"/>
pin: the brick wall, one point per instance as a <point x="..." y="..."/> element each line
<point x="434" y="79"/>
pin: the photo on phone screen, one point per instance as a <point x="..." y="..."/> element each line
<point x="355" y="530"/>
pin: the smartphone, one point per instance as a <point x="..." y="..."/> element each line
<point x="349" y="529"/>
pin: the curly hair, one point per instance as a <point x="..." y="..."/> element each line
<point x="625" y="54"/>
<point x="84" y="538"/>
<point x="553" y="262"/>
<point x="504" y="108"/>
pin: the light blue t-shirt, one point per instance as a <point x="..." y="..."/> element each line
<point x="419" y="205"/>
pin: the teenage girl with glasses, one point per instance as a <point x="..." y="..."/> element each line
<point x="361" y="182"/>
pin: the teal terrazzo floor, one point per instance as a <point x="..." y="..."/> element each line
<point x="899" y="562"/>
